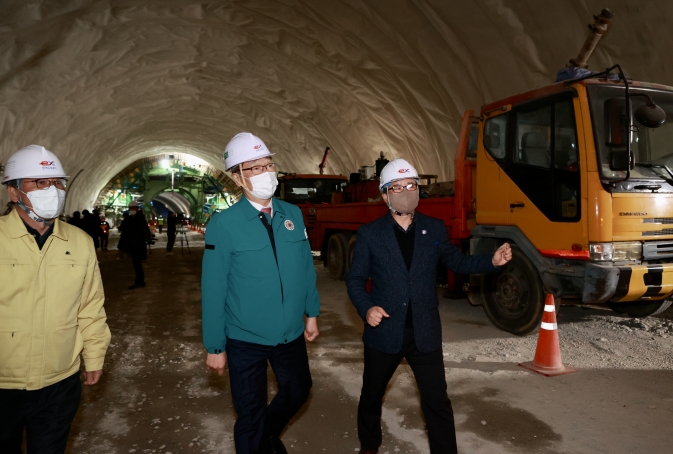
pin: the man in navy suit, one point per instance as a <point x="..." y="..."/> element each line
<point x="400" y="252"/>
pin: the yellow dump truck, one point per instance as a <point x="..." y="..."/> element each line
<point x="577" y="175"/>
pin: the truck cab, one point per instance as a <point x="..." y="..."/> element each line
<point x="585" y="199"/>
<point x="308" y="190"/>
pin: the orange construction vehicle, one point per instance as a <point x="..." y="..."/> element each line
<point x="576" y="176"/>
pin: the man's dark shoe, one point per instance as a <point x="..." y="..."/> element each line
<point x="135" y="286"/>
<point x="276" y="446"/>
<point x="369" y="451"/>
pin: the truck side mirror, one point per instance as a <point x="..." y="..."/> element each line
<point x="650" y="115"/>
<point x="619" y="160"/>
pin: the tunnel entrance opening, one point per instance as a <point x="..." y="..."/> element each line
<point x="181" y="183"/>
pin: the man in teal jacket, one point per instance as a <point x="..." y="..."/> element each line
<point x="258" y="284"/>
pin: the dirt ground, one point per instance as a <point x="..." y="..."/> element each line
<point x="157" y="397"/>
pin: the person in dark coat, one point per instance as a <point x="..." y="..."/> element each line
<point x="76" y="220"/>
<point x="90" y="224"/>
<point x="136" y="234"/>
<point x="122" y="235"/>
<point x="400" y="252"/>
<point x="171" y="224"/>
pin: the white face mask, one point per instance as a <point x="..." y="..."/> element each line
<point x="47" y="203"/>
<point x="263" y="185"/>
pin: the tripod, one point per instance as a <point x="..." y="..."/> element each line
<point x="183" y="238"/>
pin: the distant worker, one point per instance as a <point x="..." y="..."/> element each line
<point x="258" y="285"/>
<point x="122" y="235"/>
<point x="160" y="224"/>
<point x="400" y="252"/>
<point x="76" y="220"/>
<point x="90" y="226"/>
<point x="51" y="308"/>
<point x="136" y="235"/>
<point x="172" y="223"/>
<point x="104" y="233"/>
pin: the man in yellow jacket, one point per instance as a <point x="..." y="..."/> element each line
<point x="51" y="308"/>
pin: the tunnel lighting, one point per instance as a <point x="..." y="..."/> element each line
<point x="164" y="163"/>
<point x="119" y="190"/>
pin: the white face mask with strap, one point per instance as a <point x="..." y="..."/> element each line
<point x="47" y="203"/>
<point x="263" y="185"/>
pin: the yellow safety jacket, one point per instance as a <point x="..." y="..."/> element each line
<point x="51" y="306"/>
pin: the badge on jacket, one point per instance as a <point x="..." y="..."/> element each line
<point x="289" y="224"/>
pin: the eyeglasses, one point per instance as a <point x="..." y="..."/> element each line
<point x="44" y="183"/>
<point x="399" y="188"/>
<point x="256" y="170"/>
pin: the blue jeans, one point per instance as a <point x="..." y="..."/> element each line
<point x="247" y="375"/>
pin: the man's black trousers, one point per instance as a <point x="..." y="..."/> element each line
<point x="247" y="375"/>
<point x="46" y="414"/>
<point x="428" y="369"/>
<point x="137" y="259"/>
<point x="171" y="241"/>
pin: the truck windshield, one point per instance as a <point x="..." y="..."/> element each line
<point x="310" y="190"/>
<point x="648" y="145"/>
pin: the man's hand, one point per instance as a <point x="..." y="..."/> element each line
<point x="311" y="331"/>
<point x="502" y="255"/>
<point x="91" y="378"/>
<point x="375" y="315"/>
<point x="216" y="362"/>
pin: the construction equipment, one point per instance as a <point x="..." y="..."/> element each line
<point x="575" y="175"/>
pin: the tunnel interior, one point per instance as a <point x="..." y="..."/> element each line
<point x="180" y="183"/>
<point x="105" y="84"/>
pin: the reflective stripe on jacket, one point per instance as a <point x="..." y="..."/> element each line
<point x="51" y="306"/>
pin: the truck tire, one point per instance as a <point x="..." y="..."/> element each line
<point x="514" y="298"/>
<point x="336" y="256"/>
<point x="349" y="249"/>
<point x="641" y="309"/>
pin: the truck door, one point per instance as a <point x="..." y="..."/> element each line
<point x="542" y="166"/>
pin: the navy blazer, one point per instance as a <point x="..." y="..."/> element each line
<point x="377" y="256"/>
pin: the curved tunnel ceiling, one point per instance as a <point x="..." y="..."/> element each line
<point x="103" y="83"/>
<point x="174" y="201"/>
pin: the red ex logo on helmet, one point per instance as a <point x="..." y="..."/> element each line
<point x="47" y="163"/>
<point x="257" y="147"/>
<point x="404" y="171"/>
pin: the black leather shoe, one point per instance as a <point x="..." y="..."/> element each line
<point x="368" y="451"/>
<point x="276" y="446"/>
<point x="135" y="286"/>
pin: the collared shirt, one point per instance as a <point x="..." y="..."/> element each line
<point x="40" y="239"/>
<point x="259" y="206"/>
<point x="405" y="241"/>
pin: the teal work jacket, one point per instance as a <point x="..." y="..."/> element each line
<point x="245" y="295"/>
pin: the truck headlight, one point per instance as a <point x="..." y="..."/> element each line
<point x="605" y="252"/>
<point x="601" y="252"/>
<point x="628" y="251"/>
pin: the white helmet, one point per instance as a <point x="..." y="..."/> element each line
<point x="397" y="169"/>
<point x="34" y="161"/>
<point x="244" y="147"/>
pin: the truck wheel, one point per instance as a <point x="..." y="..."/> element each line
<point x="349" y="250"/>
<point x="514" y="297"/>
<point x="336" y="256"/>
<point x="641" y="309"/>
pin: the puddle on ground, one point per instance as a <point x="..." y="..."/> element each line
<point x="503" y="422"/>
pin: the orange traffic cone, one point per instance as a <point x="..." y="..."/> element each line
<point x="548" y="352"/>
